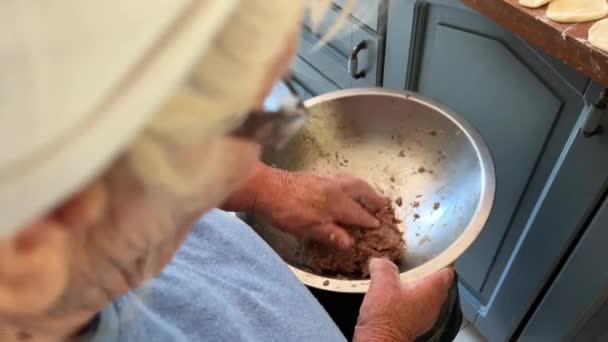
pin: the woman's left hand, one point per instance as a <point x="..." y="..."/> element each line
<point x="314" y="207"/>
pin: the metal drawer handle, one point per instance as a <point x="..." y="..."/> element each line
<point x="353" y="61"/>
<point x="592" y="125"/>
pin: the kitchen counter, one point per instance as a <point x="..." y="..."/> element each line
<point x="566" y="42"/>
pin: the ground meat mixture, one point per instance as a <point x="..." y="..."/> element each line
<point x="386" y="241"/>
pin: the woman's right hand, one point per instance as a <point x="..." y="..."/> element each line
<point x="396" y="312"/>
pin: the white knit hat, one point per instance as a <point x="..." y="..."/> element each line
<point x="79" y="79"/>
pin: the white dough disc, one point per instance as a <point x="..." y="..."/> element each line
<point x="598" y="35"/>
<point x="533" y="3"/>
<point x="577" y="11"/>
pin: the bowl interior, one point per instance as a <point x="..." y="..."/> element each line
<point x="409" y="149"/>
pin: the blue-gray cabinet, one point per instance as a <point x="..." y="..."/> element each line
<point x="576" y="304"/>
<point x="525" y="105"/>
<point x="529" y="108"/>
<point x="323" y="67"/>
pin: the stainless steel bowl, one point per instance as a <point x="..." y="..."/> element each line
<point x="408" y="147"/>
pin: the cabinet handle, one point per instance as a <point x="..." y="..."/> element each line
<point x="353" y="61"/>
<point x="592" y="125"/>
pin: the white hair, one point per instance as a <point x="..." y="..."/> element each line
<point x="223" y="87"/>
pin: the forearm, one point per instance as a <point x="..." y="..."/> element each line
<point x="261" y="179"/>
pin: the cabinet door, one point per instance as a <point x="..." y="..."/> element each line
<point x="576" y="305"/>
<point x="333" y="62"/>
<point x="574" y="188"/>
<point x="309" y="81"/>
<point x="525" y="105"/>
<point x="369" y="12"/>
<point x="331" y="59"/>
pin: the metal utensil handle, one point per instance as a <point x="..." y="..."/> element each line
<point x="353" y="61"/>
<point x="592" y="124"/>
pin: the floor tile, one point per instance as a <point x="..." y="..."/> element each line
<point x="469" y="334"/>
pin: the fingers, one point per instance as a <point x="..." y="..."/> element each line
<point x="439" y="280"/>
<point x="383" y="273"/>
<point x="364" y="194"/>
<point x="33" y="268"/>
<point x="349" y="212"/>
<point x="429" y="295"/>
<point x="332" y="235"/>
<point x="402" y="311"/>
<point x="434" y="287"/>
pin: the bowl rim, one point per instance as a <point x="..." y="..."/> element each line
<point x="449" y="256"/>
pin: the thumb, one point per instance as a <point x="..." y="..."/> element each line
<point x="435" y="285"/>
<point x="382" y="273"/>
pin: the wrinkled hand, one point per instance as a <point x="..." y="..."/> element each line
<point x="392" y="311"/>
<point x="314" y="207"/>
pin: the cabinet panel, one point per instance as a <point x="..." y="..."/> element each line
<point x="334" y="64"/>
<point x="332" y="58"/>
<point x="512" y="109"/>
<point x="368" y="12"/>
<point x="325" y="59"/>
<point x="572" y="190"/>
<point x="578" y="81"/>
<point x="309" y="80"/>
<point x="526" y="106"/>
<point x="302" y="91"/>
<point x="477" y="68"/>
<point x="576" y="307"/>
<point x="341" y="41"/>
<point x="595" y="327"/>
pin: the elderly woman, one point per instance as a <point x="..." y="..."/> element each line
<point x="115" y="148"/>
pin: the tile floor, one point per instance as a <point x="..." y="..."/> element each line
<point x="468" y="333"/>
